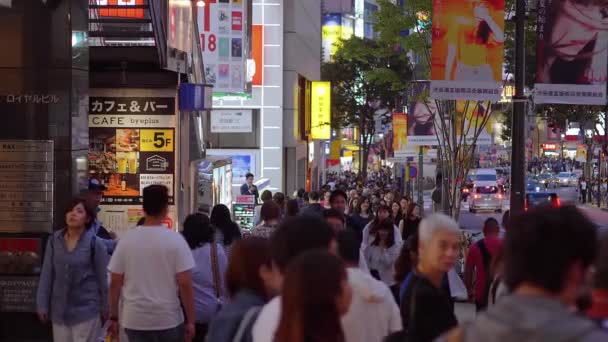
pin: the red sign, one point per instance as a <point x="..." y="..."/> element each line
<point x="237" y="21"/>
<point x="552" y="147"/>
<point x="245" y="199"/>
<point x="120" y="12"/>
<point x="257" y="51"/>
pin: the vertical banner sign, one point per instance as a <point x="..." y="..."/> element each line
<point x="222" y="26"/>
<point x="132" y="145"/>
<point x="572" y="52"/>
<point x="422" y="114"/>
<point x="399" y="132"/>
<point x="473" y="114"/>
<point x="320" y="112"/>
<point x="467" y="53"/>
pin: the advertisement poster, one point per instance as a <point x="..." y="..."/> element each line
<point x="422" y="114"/>
<point x="244" y="209"/>
<point x="399" y="132"/>
<point x="223" y="31"/>
<point x="473" y="114"/>
<point x="467" y="52"/>
<point x="128" y="150"/>
<point x="243" y="162"/>
<point x="571" y="52"/>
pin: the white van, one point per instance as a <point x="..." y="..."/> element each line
<point x="484" y="177"/>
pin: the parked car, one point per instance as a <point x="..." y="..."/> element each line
<point x="486" y="198"/>
<point x="539" y="199"/>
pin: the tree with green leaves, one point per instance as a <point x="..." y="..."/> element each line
<point x="367" y="76"/>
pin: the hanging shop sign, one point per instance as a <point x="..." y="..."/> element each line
<point x="320" y="110"/>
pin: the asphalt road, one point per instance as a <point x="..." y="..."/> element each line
<point x="474" y="222"/>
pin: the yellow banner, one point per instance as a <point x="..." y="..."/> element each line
<point x="399" y="131"/>
<point x="156" y="140"/>
<point x="320" y="110"/>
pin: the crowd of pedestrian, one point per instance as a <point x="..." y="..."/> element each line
<point x="361" y="265"/>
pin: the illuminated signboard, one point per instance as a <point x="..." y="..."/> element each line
<point x="335" y="27"/>
<point x="551" y="147"/>
<point x="125" y="12"/>
<point x="320" y="111"/>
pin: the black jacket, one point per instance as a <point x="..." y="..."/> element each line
<point x="314" y="209"/>
<point x="431" y="308"/>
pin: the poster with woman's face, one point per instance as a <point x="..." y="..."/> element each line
<point x="421" y="117"/>
<point x="572" y="51"/>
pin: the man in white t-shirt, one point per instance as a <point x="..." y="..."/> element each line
<point x="294" y="237"/>
<point x="151" y="265"/>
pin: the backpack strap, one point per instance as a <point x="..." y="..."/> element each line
<point x="485" y="254"/>
<point x="92" y="247"/>
<point x="249" y="317"/>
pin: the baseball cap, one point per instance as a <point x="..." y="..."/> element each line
<point x="94" y="184"/>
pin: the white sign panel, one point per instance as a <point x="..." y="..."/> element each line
<point x="223" y="39"/>
<point x="141" y="121"/>
<point x="155" y="179"/>
<point x="231" y="121"/>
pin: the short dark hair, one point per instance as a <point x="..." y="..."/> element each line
<point x="297" y="235"/>
<point x="266" y="195"/>
<point x="301" y="193"/>
<point x="600" y="280"/>
<point x="197" y="230"/>
<point x="279" y="198"/>
<point x="292" y="208"/>
<point x="249" y="175"/>
<point x="333" y="213"/>
<point x="348" y="246"/>
<point x="305" y="197"/>
<point x="540" y="246"/>
<point x="88" y="209"/>
<point x="314" y="196"/>
<point x="337" y="193"/>
<point x="246" y="258"/>
<point x="491" y="225"/>
<point x="156" y="199"/>
<point x="270" y="211"/>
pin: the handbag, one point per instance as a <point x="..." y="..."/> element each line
<point x="215" y="270"/>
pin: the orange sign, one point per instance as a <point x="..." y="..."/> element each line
<point x="125" y="12"/>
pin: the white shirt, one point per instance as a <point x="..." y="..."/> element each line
<point x="372" y="315"/>
<point x="150" y="258"/>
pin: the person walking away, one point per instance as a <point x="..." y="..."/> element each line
<point x="547" y="255"/>
<point x="293" y="237"/>
<point x="314" y="208"/>
<point x="279" y="199"/>
<point x="209" y="273"/>
<point x="599" y="293"/>
<point x="316" y="295"/>
<point x="426" y="309"/>
<point x="73" y="287"/>
<point x="265" y="197"/>
<point x="292" y="208"/>
<point x="152" y="269"/>
<point x="249" y="189"/>
<point x="361" y="217"/>
<point x="271" y="215"/>
<point x="372" y="303"/>
<point x="383" y="252"/>
<point x="583" y="187"/>
<point x="251" y="281"/>
<point x="226" y="231"/>
<point x="404" y="265"/>
<point x="300" y="198"/>
<point x="409" y="225"/>
<point x="94" y="196"/>
<point x="436" y="198"/>
<point x="477" y="267"/>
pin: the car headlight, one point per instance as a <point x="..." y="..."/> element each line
<point x="537" y="189"/>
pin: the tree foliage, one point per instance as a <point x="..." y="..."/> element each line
<point x="367" y="76"/>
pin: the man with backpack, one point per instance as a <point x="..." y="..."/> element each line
<point x="478" y="273"/>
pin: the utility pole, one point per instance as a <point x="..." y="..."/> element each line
<point x="420" y="180"/>
<point x="519" y="113"/>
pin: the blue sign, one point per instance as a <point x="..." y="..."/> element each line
<point x="413" y="172"/>
<point x="195" y="97"/>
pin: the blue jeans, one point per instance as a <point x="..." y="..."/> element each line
<point x="176" y="334"/>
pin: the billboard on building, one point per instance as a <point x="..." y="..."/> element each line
<point x="399" y="132"/>
<point x="572" y="51"/>
<point x="335" y="27"/>
<point x="467" y="51"/>
<point x="476" y="116"/>
<point x="223" y="28"/>
<point x="320" y="110"/>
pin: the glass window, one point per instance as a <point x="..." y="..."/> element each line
<point x="487" y="190"/>
<point x="485" y="177"/>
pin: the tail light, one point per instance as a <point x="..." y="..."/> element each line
<point x="499" y="196"/>
<point x="525" y="204"/>
<point x="477" y="196"/>
<point x="558" y="203"/>
<point x="465" y="190"/>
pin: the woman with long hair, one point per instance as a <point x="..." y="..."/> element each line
<point x="353" y="203"/>
<point x="383" y="252"/>
<point x="227" y="231"/>
<point x="251" y="281"/>
<point x="316" y="294"/>
<point x="396" y="213"/>
<point x="409" y="225"/>
<point x="208" y="274"/>
<point x="369" y="232"/>
<point x="361" y="216"/>
<point x="73" y="288"/>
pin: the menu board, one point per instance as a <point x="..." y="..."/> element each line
<point x="244" y="210"/>
<point x="132" y="146"/>
<point x="18" y="294"/>
<point x="26" y="186"/>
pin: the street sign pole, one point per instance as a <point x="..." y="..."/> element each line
<point x="420" y="181"/>
<point x="519" y="114"/>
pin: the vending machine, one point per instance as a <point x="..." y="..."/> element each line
<point x="210" y="183"/>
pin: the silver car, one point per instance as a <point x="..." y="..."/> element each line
<point x="486" y="198"/>
<point x="566" y="179"/>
